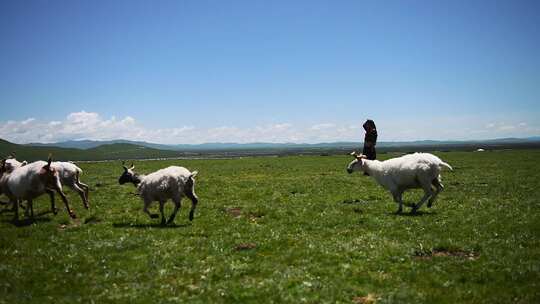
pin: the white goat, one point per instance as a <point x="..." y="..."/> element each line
<point x="69" y="175"/>
<point x="170" y="183"/>
<point x="10" y="164"/>
<point x="418" y="170"/>
<point x="30" y="181"/>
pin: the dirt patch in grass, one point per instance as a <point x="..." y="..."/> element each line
<point x="71" y="224"/>
<point x="245" y="246"/>
<point x="445" y="252"/>
<point x="234" y="211"/>
<point x="254" y="216"/>
<point x="369" y="299"/>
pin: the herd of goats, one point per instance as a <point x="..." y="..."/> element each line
<point x="22" y="181"/>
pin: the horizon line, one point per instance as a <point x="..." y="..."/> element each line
<point x="281" y="143"/>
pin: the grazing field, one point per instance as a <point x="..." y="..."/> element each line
<point x="288" y="229"/>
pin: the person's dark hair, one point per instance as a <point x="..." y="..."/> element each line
<point x="369" y="123"/>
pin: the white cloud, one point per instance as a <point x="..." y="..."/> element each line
<point x="91" y="125"/>
<point x="322" y="126"/>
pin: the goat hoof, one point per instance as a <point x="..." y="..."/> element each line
<point x="73" y="215"/>
<point x="154" y="216"/>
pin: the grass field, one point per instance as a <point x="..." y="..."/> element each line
<point x="289" y="229"/>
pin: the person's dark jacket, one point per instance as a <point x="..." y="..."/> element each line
<point x="370" y="139"/>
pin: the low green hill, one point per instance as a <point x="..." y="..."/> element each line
<point x="104" y="152"/>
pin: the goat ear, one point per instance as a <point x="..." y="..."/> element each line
<point x="48" y="165"/>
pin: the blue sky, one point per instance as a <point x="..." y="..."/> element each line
<point x="279" y="71"/>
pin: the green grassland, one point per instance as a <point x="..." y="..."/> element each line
<point x="287" y="229"/>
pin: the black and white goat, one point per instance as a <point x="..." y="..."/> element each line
<point x="170" y="183"/>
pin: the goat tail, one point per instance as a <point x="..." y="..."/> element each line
<point x="446" y="165"/>
<point x="191" y="181"/>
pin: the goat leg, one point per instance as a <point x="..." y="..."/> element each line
<point x="15" y="210"/>
<point x="176" y="202"/>
<point x="66" y="203"/>
<point x="53" y="204"/>
<point x="397" y="198"/>
<point x="145" y="210"/>
<point x="415" y="208"/>
<point x="194" y="201"/>
<point x="161" y="206"/>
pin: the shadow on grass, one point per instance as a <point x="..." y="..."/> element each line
<point x="27" y="221"/>
<point x="354" y="201"/>
<point x="152" y="225"/>
<point x="417" y="213"/>
<point x="6" y="210"/>
<point x="10" y="210"/>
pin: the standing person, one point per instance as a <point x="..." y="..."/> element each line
<point x="370" y="139"/>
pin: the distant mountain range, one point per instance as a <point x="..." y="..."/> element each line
<point x="90" y="144"/>
<point x="125" y="149"/>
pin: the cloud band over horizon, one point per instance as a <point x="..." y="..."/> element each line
<point x="92" y="126"/>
